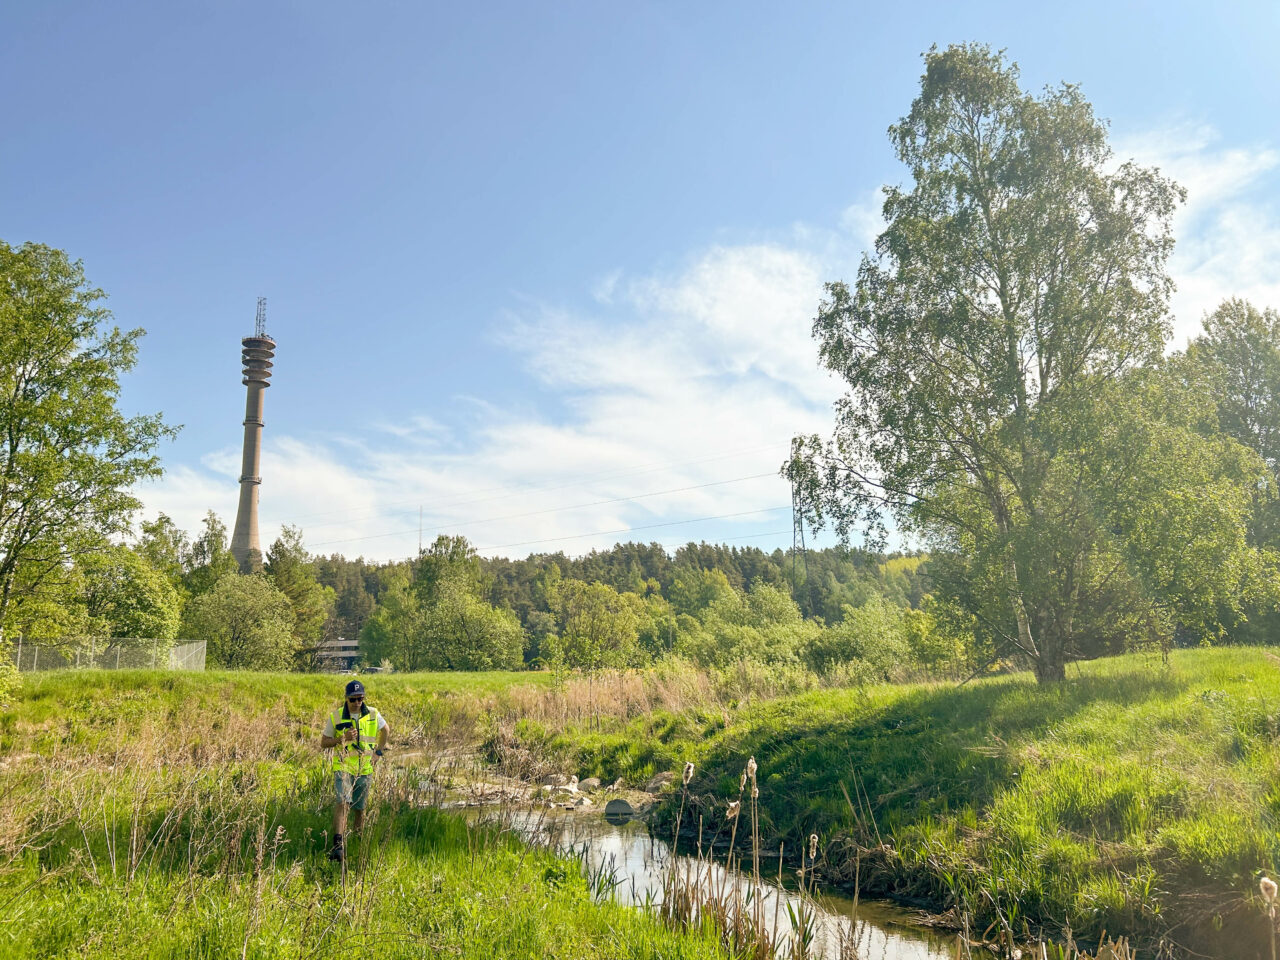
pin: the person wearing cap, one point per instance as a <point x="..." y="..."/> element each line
<point x="357" y="734"/>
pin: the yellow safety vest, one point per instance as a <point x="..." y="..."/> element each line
<point x="356" y="757"/>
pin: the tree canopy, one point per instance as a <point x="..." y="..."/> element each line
<point x="68" y="456"/>
<point x="1016" y="296"/>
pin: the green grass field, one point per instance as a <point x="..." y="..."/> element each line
<point x="157" y="815"/>
<point x="1135" y="796"/>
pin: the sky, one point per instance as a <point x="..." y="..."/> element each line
<point x="544" y="274"/>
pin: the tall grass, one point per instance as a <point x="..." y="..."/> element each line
<point x="187" y="817"/>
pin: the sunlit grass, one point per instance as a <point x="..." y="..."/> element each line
<point x="1133" y="794"/>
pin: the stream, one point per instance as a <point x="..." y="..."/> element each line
<point x="633" y="864"/>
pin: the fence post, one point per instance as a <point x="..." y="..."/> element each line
<point x="153" y="656"/>
<point x="35" y="659"/>
<point x="117" y="656"/>
<point x="19" y="651"/>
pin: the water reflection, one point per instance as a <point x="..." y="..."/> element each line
<point x="622" y="856"/>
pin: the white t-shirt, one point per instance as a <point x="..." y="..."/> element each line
<point x="329" y="730"/>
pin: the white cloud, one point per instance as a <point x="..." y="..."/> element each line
<point x="678" y="384"/>
<point x="1228" y="232"/>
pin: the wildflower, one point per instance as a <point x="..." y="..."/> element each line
<point x="813" y="846"/>
<point x="688" y="772"/>
<point x="734" y="807"/>
<point x="1268" y="888"/>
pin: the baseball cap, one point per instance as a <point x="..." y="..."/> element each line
<point x="355" y="689"/>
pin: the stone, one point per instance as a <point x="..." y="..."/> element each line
<point x="618" y="811"/>
<point x="582" y="802"/>
<point x="591" y="783"/>
<point x="618" y="785"/>
<point x="660" y="781"/>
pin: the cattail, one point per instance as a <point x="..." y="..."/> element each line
<point x="751" y="769"/>
<point x="813" y="846"/>
<point x="1268" y="888"/>
<point x="742" y="784"/>
<point x="734" y="807"/>
<point x="688" y="772"/>
<point x="755" y="791"/>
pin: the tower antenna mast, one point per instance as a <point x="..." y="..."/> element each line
<point x="256" y="356"/>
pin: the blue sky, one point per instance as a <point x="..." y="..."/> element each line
<point x="546" y="271"/>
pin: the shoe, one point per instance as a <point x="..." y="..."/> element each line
<point x="338" y="852"/>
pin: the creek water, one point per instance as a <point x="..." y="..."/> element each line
<point x="623" y="857"/>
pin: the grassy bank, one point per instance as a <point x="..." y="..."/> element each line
<point x="1135" y="796"/>
<point x="171" y="815"/>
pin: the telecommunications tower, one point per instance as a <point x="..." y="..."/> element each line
<point x="256" y="353"/>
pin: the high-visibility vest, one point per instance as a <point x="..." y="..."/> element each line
<point x="356" y="757"/>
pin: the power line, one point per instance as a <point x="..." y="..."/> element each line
<point x="535" y="513"/>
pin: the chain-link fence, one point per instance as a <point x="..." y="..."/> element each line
<point x="109" y="654"/>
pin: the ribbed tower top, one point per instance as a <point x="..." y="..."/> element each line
<point x="256" y="354"/>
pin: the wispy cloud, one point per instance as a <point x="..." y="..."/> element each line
<point x="682" y="394"/>
<point x="1228" y="232"/>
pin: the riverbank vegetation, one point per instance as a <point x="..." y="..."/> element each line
<point x="159" y="815"/>
<point x="1137" y="795"/>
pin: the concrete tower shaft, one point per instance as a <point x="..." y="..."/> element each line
<point x="257" y="352"/>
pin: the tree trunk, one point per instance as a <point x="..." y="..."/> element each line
<point x="1051" y="667"/>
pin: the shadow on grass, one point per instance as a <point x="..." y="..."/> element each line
<point x="925" y="753"/>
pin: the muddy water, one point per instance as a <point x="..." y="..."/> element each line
<point x="626" y="858"/>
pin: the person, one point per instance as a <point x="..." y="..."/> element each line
<point x="357" y="734"/>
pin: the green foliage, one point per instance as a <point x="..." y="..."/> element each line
<point x="290" y="568"/>
<point x="71" y="457"/>
<point x="394" y="631"/>
<point x="465" y="633"/>
<point x="208" y="559"/>
<point x="124" y="596"/>
<point x="761" y="626"/>
<point x="1002" y="352"/>
<point x="435" y="620"/>
<point x="246" y="623"/>
<point x="1239" y="352"/>
<point x="694" y="589"/>
<point x="599" y="627"/>
<point x="165" y="548"/>
<point x="874" y="634"/>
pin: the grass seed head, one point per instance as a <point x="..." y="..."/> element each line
<point x="734" y="807"/>
<point x="813" y="846"/>
<point x="688" y="772"/>
<point x="1268" y="888"/>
